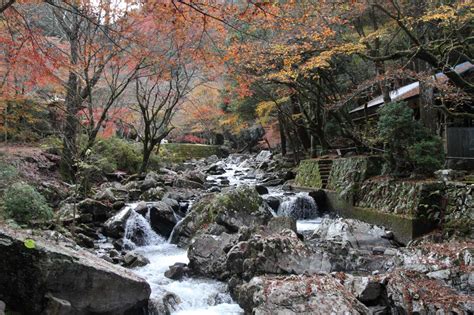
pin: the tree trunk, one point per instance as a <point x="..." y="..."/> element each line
<point x="71" y="127"/>
<point x="428" y="115"/>
<point x="282" y="134"/>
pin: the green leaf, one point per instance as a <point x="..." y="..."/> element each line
<point x="29" y="243"/>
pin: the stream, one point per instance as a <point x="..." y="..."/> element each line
<point x="200" y="295"/>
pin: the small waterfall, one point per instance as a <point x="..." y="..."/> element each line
<point x="300" y="207"/>
<point x="138" y="231"/>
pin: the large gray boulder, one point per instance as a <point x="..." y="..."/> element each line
<point x="161" y="216"/>
<point x="316" y="294"/>
<point x="207" y="254"/>
<point x="240" y="207"/>
<point x="53" y="275"/>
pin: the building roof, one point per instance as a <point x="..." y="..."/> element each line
<point x="413" y="89"/>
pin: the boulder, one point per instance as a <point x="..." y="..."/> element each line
<point x="177" y="271"/>
<point x="317" y="294"/>
<point x="415" y="293"/>
<point x="31" y="275"/>
<point x="216" y="169"/>
<point x="133" y="260"/>
<point x="115" y="226"/>
<point x="161" y="216"/>
<point x="207" y="254"/>
<point x="273" y="202"/>
<point x="262" y="190"/>
<point x="282" y="253"/>
<point x="97" y="209"/>
<point x="152" y="194"/>
<point x="356" y="234"/>
<point x="232" y="209"/>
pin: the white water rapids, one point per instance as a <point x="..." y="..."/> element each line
<point x="198" y="296"/>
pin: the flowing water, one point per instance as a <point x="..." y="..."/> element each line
<point x="203" y="296"/>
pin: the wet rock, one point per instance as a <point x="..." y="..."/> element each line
<point x="207" y="254"/>
<point x="216" y="169"/>
<point x="320" y="198"/>
<point x="133" y="260"/>
<point x="162" y="217"/>
<point x="115" y="226"/>
<point x="317" y="294"/>
<point x="177" y="271"/>
<point x="274" y="182"/>
<point x="262" y="190"/>
<point x="88" y="283"/>
<point x="196" y="176"/>
<point x="273" y="202"/>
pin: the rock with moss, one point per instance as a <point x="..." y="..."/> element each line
<point x="241" y="207"/>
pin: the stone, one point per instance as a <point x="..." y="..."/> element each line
<point x="443" y="274"/>
<point x="207" y="254"/>
<point x="115" y="226"/>
<point x="274" y="182"/>
<point x="88" y="283"/>
<point x="317" y="294"/>
<point x="186" y="183"/>
<point x="232" y="209"/>
<point x="162" y="217"/>
<point x="153" y="194"/>
<point x="356" y="234"/>
<point x="263" y="156"/>
<point x="278" y="224"/>
<point x="133" y="260"/>
<point x="97" y="209"/>
<point x="216" y="169"/>
<point x="414" y="292"/>
<point x="321" y="200"/>
<point x="177" y="271"/>
<point x="262" y="190"/>
<point x="57" y="306"/>
<point x="84" y="241"/>
<point x="273" y="202"/>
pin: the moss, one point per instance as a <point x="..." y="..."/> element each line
<point x="179" y="152"/>
<point x="308" y="174"/>
<point x="243" y="199"/>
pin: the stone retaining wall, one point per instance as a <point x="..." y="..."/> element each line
<point x="459" y="212"/>
<point x="308" y="174"/>
<point x="408" y="198"/>
<point x="347" y="173"/>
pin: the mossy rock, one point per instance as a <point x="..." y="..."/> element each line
<point x="227" y="211"/>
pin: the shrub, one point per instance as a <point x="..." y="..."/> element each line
<point x="24" y="204"/>
<point x="427" y="155"/>
<point x="8" y="173"/>
<point x="116" y="153"/>
<point x="409" y="146"/>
